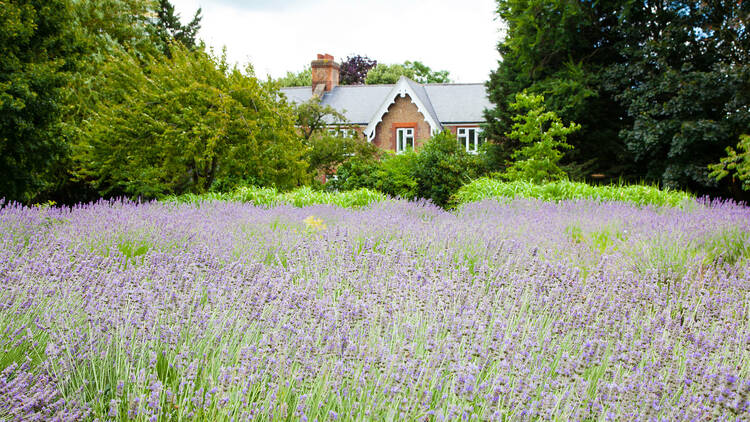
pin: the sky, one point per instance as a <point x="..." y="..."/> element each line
<point x="277" y="36"/>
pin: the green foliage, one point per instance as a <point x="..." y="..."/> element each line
<point x="312" y="117"/>
<point x="559" y="49"/>
<point x="329" y="150"/>
<point x="393" y="174"/>
<point x="486" y="188"/>
<point x="170" y="29"/>
<point x="685" y="84"/>
<point x="300" y="197"/>
<point x="442" y="167"/>
<point x="301" y="78"/>
<point x="359" y="172"/>
<point x="38" y="52"/>
<point x="543" y="134"/>
<point x="328" y="140"/>
<point x="735" y="163"/>
<point x="436" y="172"/>
<point x="660" y="88"/>
<point x="175" y="126"/>
<point x="107" y="25"/>
<point x="416" y="71"/>
<point x="397" y="175"/>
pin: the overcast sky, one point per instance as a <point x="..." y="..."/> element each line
<point x="277" y="36"/>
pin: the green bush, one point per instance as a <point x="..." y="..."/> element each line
<point x="359" y="172"/>
<point x="486" y="188"/>
<point x="442" y="167"/>
<point x="396" y="175"/>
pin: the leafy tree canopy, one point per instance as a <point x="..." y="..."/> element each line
<point x="169" y="28"/>
<point x="443" y="166"/>
<point x="327" y="151"/>
<point x="659" y="87"/>
<point x="328" y="139"/>
<point x="436" y="172"/>
<point x="301" y="78"/>
<point x="38" y="53"/>
<point x="685" y="86"/>
<point x="558" y="49"/>
<point x="182" y="124"/>
<point x="354" y="70"/>
<point x="312" y="117"/>
<point x="416" y="71"/>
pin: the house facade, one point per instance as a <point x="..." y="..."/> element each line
<point x="398" y="116"/>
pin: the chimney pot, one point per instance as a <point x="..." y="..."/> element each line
<point x="325" y="74"/>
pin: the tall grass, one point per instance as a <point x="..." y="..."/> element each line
<point x="301" y="197"/>
<point x="486" y="188"/>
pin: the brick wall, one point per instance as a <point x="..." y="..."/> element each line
<point x="402" y="113"/>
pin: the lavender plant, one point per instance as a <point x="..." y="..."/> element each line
<point x="525" y="310"/>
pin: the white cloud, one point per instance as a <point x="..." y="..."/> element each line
<point x="460" y="37"/>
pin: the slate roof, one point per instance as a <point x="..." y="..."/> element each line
<point x="446" y="103"/>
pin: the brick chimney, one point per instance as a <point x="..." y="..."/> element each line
<point x="325" y="74"/>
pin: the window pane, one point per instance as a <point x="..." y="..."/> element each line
<point x="400" y="140"/>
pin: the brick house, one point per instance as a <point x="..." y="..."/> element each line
<point x="402" y="115"/>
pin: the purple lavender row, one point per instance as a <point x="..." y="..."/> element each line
<point x="519" y="311"/>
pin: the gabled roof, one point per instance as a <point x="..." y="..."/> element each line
<point x="403" y="87"/>
<point x="440" y="103"/>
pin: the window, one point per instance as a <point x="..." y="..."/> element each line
<point x="404" y="139"/>
<point x="344" y="133"/>
<point x="469" y="138"/>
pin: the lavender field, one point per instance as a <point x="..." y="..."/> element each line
<point x="525" y="310"/>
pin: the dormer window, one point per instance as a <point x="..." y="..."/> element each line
<point x="469" y="138"/>
<point x="404" y="139"/>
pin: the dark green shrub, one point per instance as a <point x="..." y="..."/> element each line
<point x="442" y="167"/>
<point x="396" y="175"/>
<point x="359" y="172"/>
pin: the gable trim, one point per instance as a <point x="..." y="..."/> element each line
<point x="401" y="89"/>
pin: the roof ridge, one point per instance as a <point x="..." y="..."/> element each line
<point x="451" y="83"/>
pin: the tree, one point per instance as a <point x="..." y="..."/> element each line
<point x="685" y="86"/>
<point x="169" y="28"/>
<point x="354" y="70"/>
<point x="416" y="71"/>
<point x="736" y="164"/>
<point x="542" y="134"/>
<point x="312" y="117"/>
<point x="325" y="135"/>
<point x="106" y="25"/>
<point x="560" y="49"/>
<point x="301" y="78"/>
<point x="103" y="28"/>
<point x="179" y="125"/>
<point x="38" y="53"/>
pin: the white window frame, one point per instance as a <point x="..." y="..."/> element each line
<point x="472" y="144"/>
<point x="403" y="135"/>
<point x="342" y="132"/>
